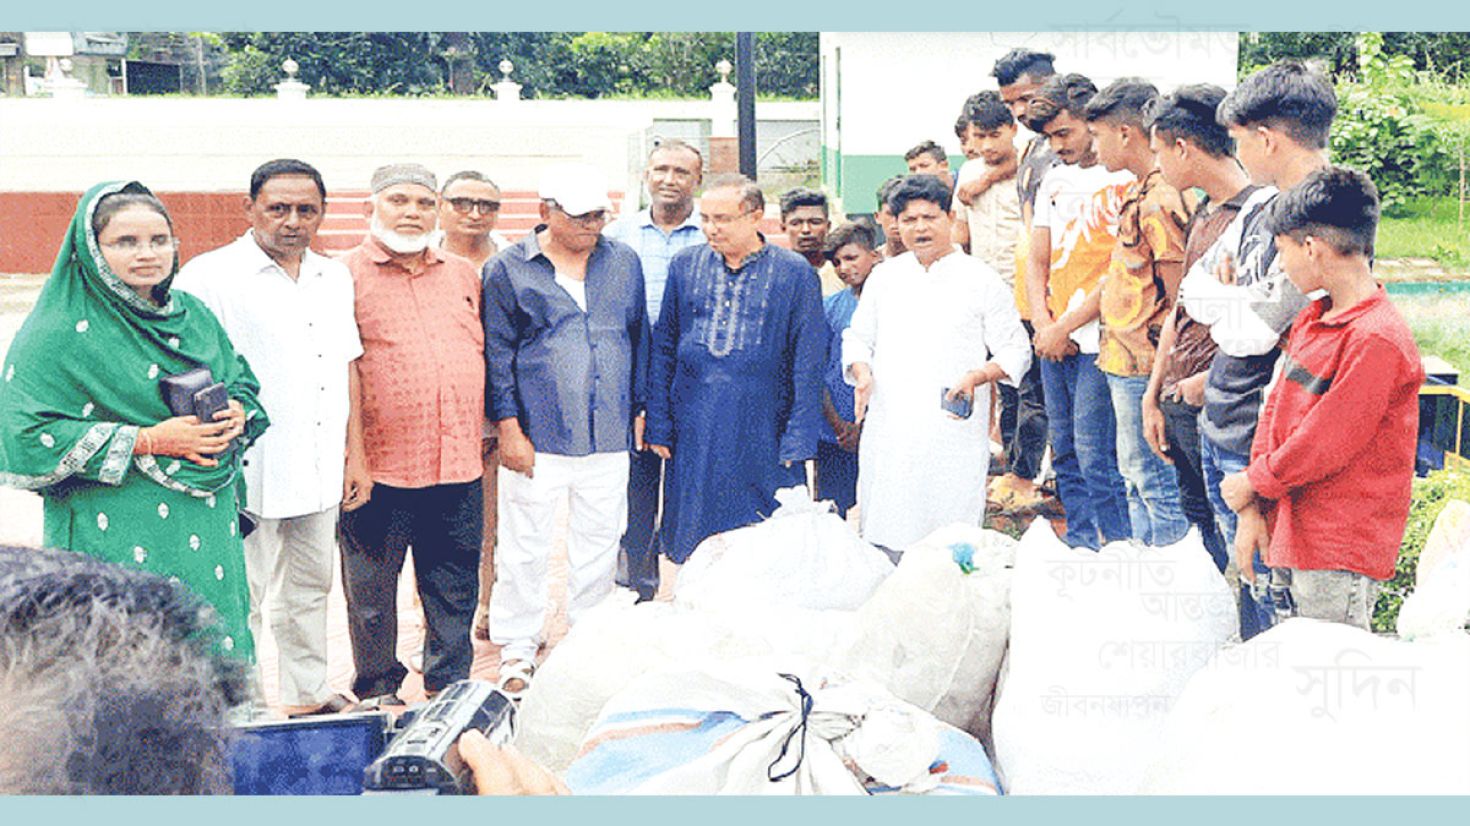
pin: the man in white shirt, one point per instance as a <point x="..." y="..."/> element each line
<point x="933" y="329"/>
<point x="1073" y="233"/>
<point x="289" y="312"/>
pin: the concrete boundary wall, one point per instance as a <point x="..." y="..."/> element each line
<point x="212" y="144"/>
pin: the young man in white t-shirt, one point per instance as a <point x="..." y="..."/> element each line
<point x="1073" y="234"/>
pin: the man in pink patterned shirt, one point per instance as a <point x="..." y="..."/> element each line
<point x="423" y="401"/>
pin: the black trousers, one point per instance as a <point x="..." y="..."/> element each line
<point x="444" y="526"/>
<point x="1181" y="429"/>
<point x="1023" y="419"/>
<point x="638" y="555"/>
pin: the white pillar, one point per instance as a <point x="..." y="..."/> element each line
<point x="506" y="91"/>
<point x="291" y="88"/>
<point x="723" y="113"/>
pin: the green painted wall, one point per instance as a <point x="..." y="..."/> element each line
<point x="855" y="178"/>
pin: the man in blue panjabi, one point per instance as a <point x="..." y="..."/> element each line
<point x="735" y="386"/>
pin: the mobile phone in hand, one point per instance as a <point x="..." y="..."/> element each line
<point x="211" y="400"/>
<point x="961" y="406"/>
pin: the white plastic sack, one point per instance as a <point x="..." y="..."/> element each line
<point x="749" y="727"/>
<point x="618" y="641"/>
<point x="804" y="556"/>
<point x="1440" y="601"/>
<point x="1312" y="707"/>
<point x="933" y="635"/>
<point x="1101" y="645"/>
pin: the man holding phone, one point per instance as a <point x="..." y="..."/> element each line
<point x="916" y="354"/>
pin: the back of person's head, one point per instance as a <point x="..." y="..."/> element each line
<point x="1019" y="63"/>
<point x="1068" y="93"/>
<point x="802" y="196"/>
<point x="986" y="111"/>
<point x="1288" y="96"/>
<point x="886" y="188"/>
<point x="919" y="188"/>
<point x="111" y="681"/>
<point x="1188" y="113"/>
<point x="852" y="232"/>
<point x="1335" y="204"/>
<point x="930" y="148"/>
<point x="1122" y="102"/>
<point x="285" y="166"/>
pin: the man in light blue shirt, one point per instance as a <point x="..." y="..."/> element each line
<point x="669" y="224"/>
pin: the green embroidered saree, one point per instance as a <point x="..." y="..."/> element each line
<point x="79" y="381"/>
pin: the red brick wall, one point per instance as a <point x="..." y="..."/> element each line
<point x="32" y="223"/>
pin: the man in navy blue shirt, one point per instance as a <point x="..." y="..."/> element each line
<point x="735" y="383"/>
<point x="566" y="347"/>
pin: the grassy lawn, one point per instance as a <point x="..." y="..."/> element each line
<point x="1441" y="327"/>
<point x="1427" y="228"/>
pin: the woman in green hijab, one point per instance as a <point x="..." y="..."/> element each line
<point x="83" y="419"/>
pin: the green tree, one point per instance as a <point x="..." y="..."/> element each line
<point x="1381" y="127"/>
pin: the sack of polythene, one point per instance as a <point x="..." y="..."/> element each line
<point x="1440" y="601"/>
<point x="803" y="556"/>
<point x="935" y="631"/>
<point x="758" y="727"/>
<point x="1102" y="642"/>
<point x="618" y="641"/>
<point x="1312" y="707"/>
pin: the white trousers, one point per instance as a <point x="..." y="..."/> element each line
<point x="598" y="487"/>
<point x="289" y="563"/>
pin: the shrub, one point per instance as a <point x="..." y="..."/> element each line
<point x="1430" y="496"/>
<point x="1381" y="127"/>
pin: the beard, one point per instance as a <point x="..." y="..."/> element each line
<point x="397" y="241"/>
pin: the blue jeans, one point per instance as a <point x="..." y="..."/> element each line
<point x="1151" y="484"/>
<point x="1181" y="429"/>
<point x="638" y="557"/>
<point x="1217" y="463"/>
<point x="1079" y="413"/>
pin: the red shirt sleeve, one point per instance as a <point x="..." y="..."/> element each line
<point x="1332" y="432"/>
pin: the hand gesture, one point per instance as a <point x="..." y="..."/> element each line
<point x="1252" y="536"/>
<point x="516" y="451"/>
<point x="1053" y="343"/>
<point x="185" y="438"/>
<point x="1192" y="390"/>
<point x="234" y="414"/>
<point x="357" y="482"/>
<point x="1153" y="428"/>
<point x="501" y="770"/>
<point x="1237" y="491"/>
<point x="1225" y="269"/>
<point x="862" y="391"/>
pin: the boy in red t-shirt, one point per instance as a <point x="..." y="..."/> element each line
<point x="1326" y="495"/>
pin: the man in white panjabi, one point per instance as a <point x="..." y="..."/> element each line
<point x="920" y="335"/>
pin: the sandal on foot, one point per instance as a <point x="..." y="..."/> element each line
<point x="512" y="671"/>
